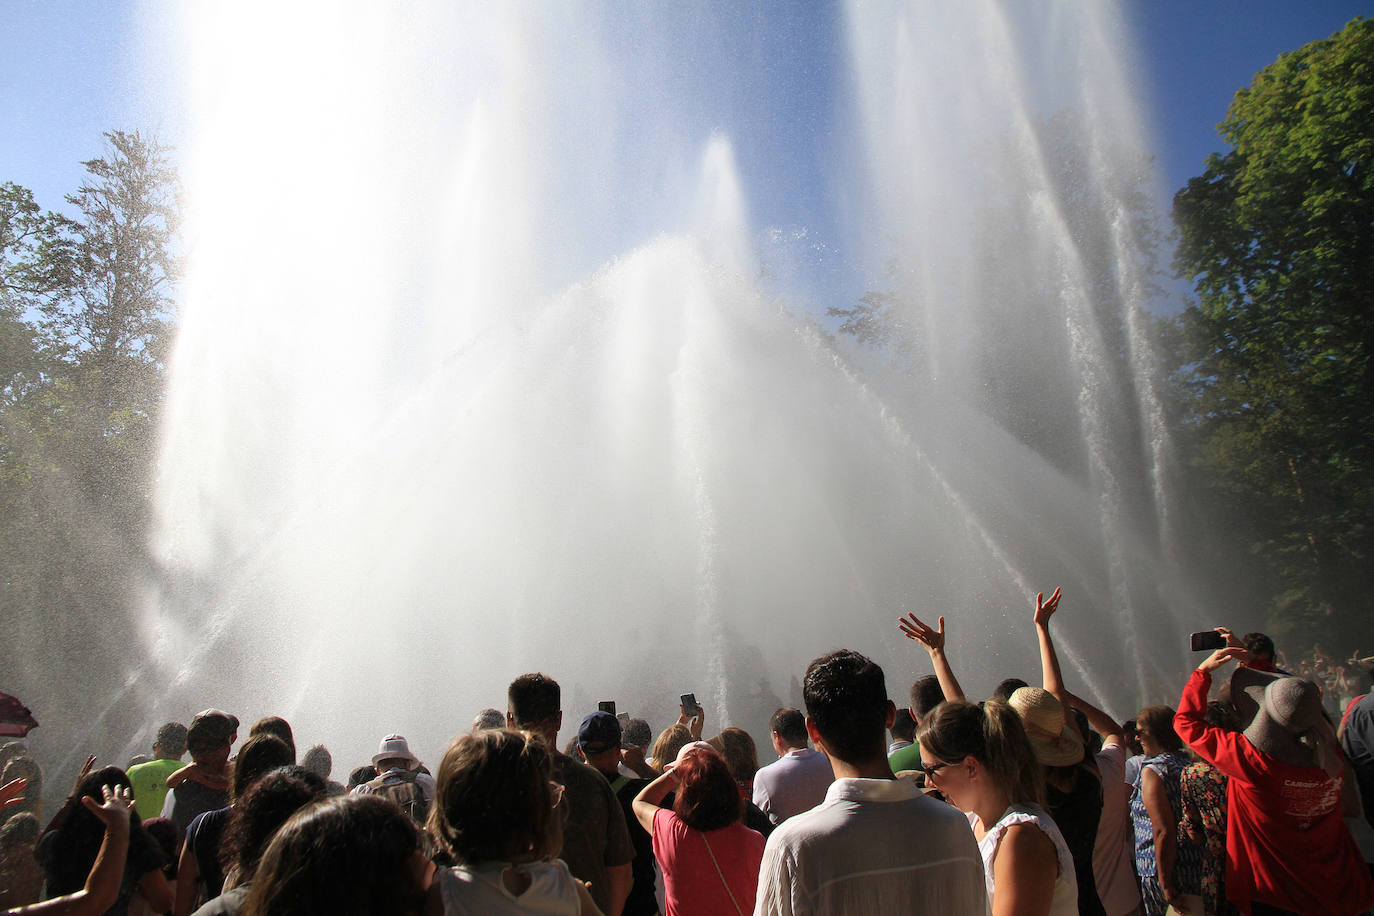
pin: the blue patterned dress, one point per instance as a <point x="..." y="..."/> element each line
<point x="1188" y="859"/>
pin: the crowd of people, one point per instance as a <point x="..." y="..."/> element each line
<point x="1246" y="798"/>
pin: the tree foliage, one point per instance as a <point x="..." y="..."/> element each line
<point x="1277" y="236"/>
<point x="85" y="319"/>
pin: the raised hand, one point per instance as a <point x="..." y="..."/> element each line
<point x="1221" y="657"/>
<point x="1044" y="609"/>
<point x="1231" y="641"/>
<point x="114" y="812"/>
<point x="913" y="628"/>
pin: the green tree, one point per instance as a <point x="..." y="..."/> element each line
<point x="1277" y="236"/>
<point x="85" y="319"/>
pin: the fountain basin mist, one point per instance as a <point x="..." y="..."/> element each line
<point x="485" y="366"/>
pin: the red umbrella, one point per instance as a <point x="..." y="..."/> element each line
<point x="15" y="719"/>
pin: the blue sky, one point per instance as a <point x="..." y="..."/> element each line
<point x="71" y="70"/>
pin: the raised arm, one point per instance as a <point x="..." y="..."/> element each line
<point x="1101" y="723"/>
<point x="934" y="641"/>
<point x="1050" y="677"/>
<point x="106" y="875"/>
<point x="646" y="802"/>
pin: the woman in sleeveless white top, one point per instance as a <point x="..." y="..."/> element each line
<point x="1065" y="900"/>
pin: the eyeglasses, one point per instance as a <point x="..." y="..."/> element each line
<point x="930" y="769"/>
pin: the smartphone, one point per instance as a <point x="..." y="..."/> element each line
<point x="607" y="706"/>
<point x="623" y="718"/>
<point x="689" y="705"/>
<point x="1207" y="641"/>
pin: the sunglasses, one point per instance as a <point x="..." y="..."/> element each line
<point x="930" y="769"/>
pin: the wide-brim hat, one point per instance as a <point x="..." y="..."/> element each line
<point x="1056" y="742"/>
<point x="1276" y="711"/>
<point x="394" y="747"/>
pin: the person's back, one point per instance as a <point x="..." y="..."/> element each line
<point x="595" y="835"/>
<point x="596" y="842"/>
<point x="799" y="778"/>
<point x="876" y="844"/>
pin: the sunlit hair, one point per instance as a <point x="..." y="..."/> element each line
<point x="347" y="856"/>
<point x="1158" y="723"/>
<point x="741" y="755"/>
<point x="259" y="756"/>
<point x="491" y="798"/>
<point x="995" y="737"/>
<point x="671" y="740"/>
<point x="707" y="797"/>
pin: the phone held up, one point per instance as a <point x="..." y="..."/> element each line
<point x="606" y="706"/>
<point x="690" y="706"/>
<point x="1207" y="641"/>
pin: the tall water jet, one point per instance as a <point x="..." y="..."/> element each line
<point x="484" y="367"/>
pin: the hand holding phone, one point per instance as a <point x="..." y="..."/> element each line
<point x="690" y="708"/>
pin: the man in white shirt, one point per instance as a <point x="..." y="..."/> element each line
<point x="797" y="781"/>
<point x="876" y="844"/>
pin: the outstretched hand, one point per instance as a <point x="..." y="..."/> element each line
<point x="115" y="811"/>
<point x="913" y="628"/>
<point x="1221" y="657"/>
<point x="1044" y="609"/>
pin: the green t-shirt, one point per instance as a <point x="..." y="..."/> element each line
<point x="906" y="758"/>
<point x="150" y="785"/>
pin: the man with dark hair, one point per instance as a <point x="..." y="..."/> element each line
<point x="1262" y="652"/>
<point x="150" y="779"/>
<point x="797" y="781"/>
<point x="596" y="842"/>
<point x="876" y="844"/>
<point x="926" y="694"/>
<point x="903" y="731"/>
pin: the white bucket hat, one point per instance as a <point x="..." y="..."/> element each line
<point x="395" y="747"/>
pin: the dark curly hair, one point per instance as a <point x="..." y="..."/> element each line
<point x="264" y="807"/>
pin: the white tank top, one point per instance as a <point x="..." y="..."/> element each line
<point x="1065" y="901"/>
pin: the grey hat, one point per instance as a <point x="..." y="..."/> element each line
<point x="1277" y="712"/>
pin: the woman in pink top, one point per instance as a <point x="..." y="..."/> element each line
<point x="710" y="860"/>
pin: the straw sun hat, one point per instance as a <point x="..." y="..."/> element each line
<point x="1056" y="743"/>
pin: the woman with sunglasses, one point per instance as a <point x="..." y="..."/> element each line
<point x="982" y="761"/>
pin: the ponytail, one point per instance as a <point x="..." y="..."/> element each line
<point x="992" y="735"/>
